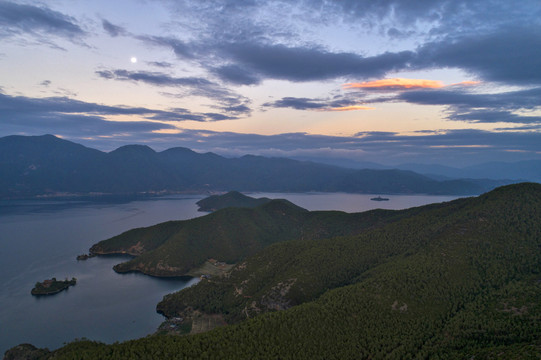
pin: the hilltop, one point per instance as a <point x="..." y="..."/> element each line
<point x="229" y="199"/>
<point x="454" y="280"/>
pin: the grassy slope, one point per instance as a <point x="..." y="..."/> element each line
<point x="460" y="283"/>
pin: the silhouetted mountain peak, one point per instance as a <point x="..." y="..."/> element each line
<point x="179" y="150"/>
<point x="133" y="150"/>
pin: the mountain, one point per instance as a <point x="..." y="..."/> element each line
<point x="526" y="170"/>
<point x="46" y="165"/>
<point x="458" y="280"/>
<point x="521" y="170"/>
<point x="230" y="199"/>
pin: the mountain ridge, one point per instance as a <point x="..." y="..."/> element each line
<point x="49" y="166"/>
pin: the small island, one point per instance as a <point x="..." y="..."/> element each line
<point x="379" y="198"/>
<point x="84" y="256"/>
<point x="52" y="286"/>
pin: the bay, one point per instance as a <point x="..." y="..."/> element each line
<point x="41" y="239"/>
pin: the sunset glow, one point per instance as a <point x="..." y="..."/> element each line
<point x="395" y="84"/>
<point x="350" y="108"/>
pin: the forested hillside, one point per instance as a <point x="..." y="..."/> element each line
<point x="176" y="248"/>
<point x="460" y="280"/>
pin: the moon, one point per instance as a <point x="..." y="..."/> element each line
<point x="133" y="59"/>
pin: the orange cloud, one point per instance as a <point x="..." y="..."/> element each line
<point x="395" y="84"/>
<point x="404" y="84"/>
<point x="465" y="83"/>
<point x="349" y="108"/>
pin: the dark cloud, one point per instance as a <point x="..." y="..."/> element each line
<point x="491" y="39"/>
<point x="45" y="83"/>
<point x="236" y="75"/>
<point x="154" y="78"/>
<point x="312" y="104"/>
<point x="510" y="55"/>
<point x="20" y="19"/>
<point x="69" y="117"/>
<point x="180" y="48"/>
<point x="113" y="30"/>
<point x="527" y="99"/>
<point x="160" y="64"/>
<point x="433" y="17"/>
<point x="520" y="128"/>
<point x="491" y="116"/>
<point x="190" y="86"/>
<point x="478" y="107"/>
<point x="15" y="108"/>
<point x="238" y="109"/>
<point x="278" y="61"/>
<point x="378" y="134"/>
<point x="295" y="103"/>
<point x="250" y="62"/>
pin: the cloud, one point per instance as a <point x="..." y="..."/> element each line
<point x="399" y="18"/>
<point x="20" y="110"/>
<point x="38" y="21"/>
<point x="113" y="30"/>
<point x="404" y="84"/>
<point x="160" y="64"/>
<point x="350" y="108"/>
<point x="180" y="48"/>
<point x="250" y="62"/>
<point x="154" y="78"/>
<point x="395" y="84"/>
<point x="299" y="64"/>
<point x="191" y="86"/>
<point x="481" y="108"/>
<point x="492" y="116"/>
<point x="509" y="55"/>
<point x="512" y="100"/>
<point x="248" y="47"/>
<point x="26" y="115"/>
<point x="340" y="104"/>
<point x="235" y="74"/>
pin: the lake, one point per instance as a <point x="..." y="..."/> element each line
<point x="41" y="239"/>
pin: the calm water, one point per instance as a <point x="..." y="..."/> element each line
<point x="40" y="240"/>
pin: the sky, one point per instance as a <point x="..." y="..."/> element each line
<point x="449" y="82"/>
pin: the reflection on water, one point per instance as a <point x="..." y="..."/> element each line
<point x="41" y="239"/>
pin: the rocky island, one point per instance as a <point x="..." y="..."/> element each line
<point x="84" y="257"/>
<point x="52" y="286"/>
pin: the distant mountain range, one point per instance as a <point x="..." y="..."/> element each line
<point x="527" y="170"/>
<point x="46" y="165"/>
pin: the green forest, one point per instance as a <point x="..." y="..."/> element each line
<point x="458" y="280"/>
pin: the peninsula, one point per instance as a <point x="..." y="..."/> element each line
<point x="52" y="286"/>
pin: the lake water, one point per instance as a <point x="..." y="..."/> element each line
<point x="40" y="240"/>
